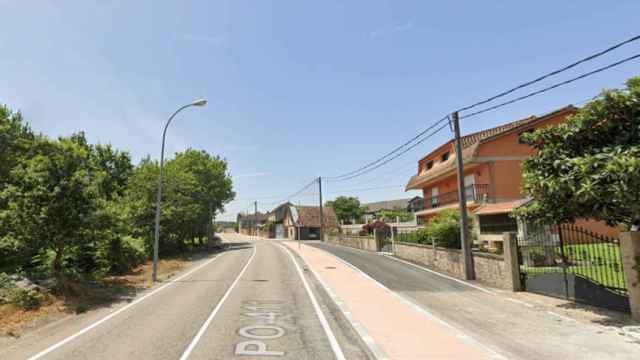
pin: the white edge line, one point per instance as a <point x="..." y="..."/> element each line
<point x="441" y="274"/>
<point x="359" y="328"/>
<point x="524" y="303"/>
<point x="423" y="311"/>
<point x="106" y="318"/>
<point x="206" y="324"/>
<point x="323" y="320"/>
<point x="561" y="316"/>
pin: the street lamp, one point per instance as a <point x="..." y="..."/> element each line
<point x="200" y="102"/>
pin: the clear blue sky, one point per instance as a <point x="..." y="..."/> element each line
<point x="296" y="89"/>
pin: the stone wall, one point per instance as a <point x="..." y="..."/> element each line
<point x="492" y="270"/>
<point x="358" y="242"/>
<point x="489" y="268"/>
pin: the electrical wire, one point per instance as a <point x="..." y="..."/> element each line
<point x="295" y="194"/>
<point x="565" y="68"/>
<point x="537" y="92"/>
<point x="383" y="158"/>
<point x="364" y="189"/>
<point x="395" y="156"/>
<point x="413" y="142"/>
<point x="389" y="153"/>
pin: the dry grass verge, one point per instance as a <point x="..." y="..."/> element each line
<point x="74" y="298"/>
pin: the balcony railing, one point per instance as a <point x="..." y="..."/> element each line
<point x="474" y="192"/>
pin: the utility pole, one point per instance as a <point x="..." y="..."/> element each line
<point x="321" y="210"/>
<point x="255" y="215"/>
<point x="469" y="271"/>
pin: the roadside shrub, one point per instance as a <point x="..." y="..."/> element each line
<point x="417" y="237"/>
<point x="28" y="299"/>
<point x="11" y="294"/>
<point x="119" y="255"/>
<point x="5" y="281"/>
<point x="378" y="226"/>
<point x="443" y="229"/>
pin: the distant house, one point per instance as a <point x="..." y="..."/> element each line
<point x="372" y="210"/>
<point x="492" y="161"/>
<point x="303" y="222"/>
<point x="415" y="204"/>
<point x="251" y="224"/>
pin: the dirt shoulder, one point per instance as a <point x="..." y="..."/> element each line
<point x="76" y="298"/>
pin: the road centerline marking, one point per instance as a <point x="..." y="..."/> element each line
<point x="335" y="346"/>
<point x="203" y="328"/>
<point x="113" y="314"/>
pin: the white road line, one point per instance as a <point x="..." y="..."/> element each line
<point x="360" y="330"/>
<point x="520" y="302"/>
<point x="420" y="309"/>
<point x="561" y="316"/>
<point x="128" y="306"/>
<point x="206" y="324"/>
<point x="441" y="275"/>
<point x="337" y="350"/>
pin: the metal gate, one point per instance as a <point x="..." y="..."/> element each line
<point x="385" y="243"/>
<point x="571" y="262"/>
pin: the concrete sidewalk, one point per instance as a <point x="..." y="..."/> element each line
<point x="399" y="329"/>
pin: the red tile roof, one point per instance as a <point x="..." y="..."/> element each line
<point x="310" y="216"/>
<point x="470" y="143"/>
<point x="499" y="208"/>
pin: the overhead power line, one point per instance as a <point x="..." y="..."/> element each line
<point x="420" y="137"/>
<point x="383" y="159"/>
<point x="300" y="191"/>
<point x="565" y="68"/>
<point x="365" y="189"/>
<point x="389" y="153"/>
<point x="537" y="92"/>
<point x="396" y="155"/>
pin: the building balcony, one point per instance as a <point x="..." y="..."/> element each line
<point x="474" y="193"/>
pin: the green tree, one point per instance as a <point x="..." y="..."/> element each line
<point x="16" y="144"/>
<point x="390" y="216"/>
<point x="113" y="167"/>
<point x="196" y="187"/>
<point x="52" y="204"/>
<point x="347" y="209"/>
<point x="588" y="167"/>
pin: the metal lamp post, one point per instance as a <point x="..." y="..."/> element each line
<point x="201" y="102"/>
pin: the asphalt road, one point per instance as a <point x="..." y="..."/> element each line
<point x="249" y="302"/>
<point x="511" y="329"/>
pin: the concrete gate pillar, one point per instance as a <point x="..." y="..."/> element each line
<point x="630" y="252"/>
<point x="512" y="266"/>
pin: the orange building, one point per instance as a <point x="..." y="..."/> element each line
<point x="492" y="161"/>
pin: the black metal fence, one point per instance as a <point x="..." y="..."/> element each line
<point x="574" y="262"/>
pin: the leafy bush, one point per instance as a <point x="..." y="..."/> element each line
<point x="5" y="281"/>
<point x="417" y="237"/>
<point x="11" y="294"/>
<point x="444" y="229"/>
<point x="378" y="226"/>
<point x="120" y="255"/>
<point x="28" y="299"/>
<point x="397" y="214"/>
